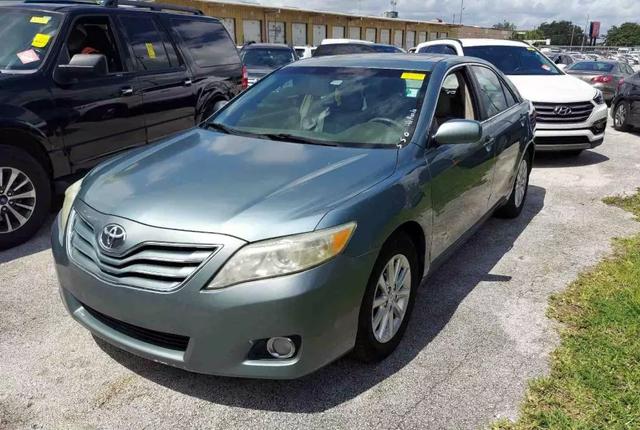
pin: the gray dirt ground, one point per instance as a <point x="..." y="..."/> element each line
<point x="478" y="332"/>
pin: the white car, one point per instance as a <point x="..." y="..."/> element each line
<point x="304" y="51"/>
<point x="571" y="114"/>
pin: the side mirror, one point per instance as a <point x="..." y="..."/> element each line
<point x="458" y="131"/>
<point x="82" y="66"/>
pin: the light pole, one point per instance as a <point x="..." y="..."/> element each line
<point x="586" y="24"/>
<point x="461" y="9"/>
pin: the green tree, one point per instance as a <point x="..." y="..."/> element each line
<point x="628" y="34"/>
<point x="560" y="32"/>
<point x="505" y="25"/>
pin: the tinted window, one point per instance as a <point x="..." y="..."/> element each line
<point x="147" y="43"/>
<point x="591" y="66"/>
<point x="491" y="92"/>
<point x="207" y="41"/>
<point x="341" y="49"/>
<point x="266" y="57"/>
<point x="514" y="60"/>
<point x="438" y="49"/>
<point x="385" y="48"/>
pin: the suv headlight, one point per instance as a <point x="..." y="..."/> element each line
<point x="598" y="98"/>
<point x="283" y="256"/>
<point x="69" y="197"/>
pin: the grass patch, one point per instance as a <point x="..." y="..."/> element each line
<point x="594" y="381"/>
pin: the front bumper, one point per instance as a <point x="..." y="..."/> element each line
<point x="576" y="136"/>
<point x="320" y="305"/>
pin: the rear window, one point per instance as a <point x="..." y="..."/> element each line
<point x="514" y="60"/>
<point x="386" y="48"/>
<point x="342" y="49"/>
<point x="207" y="41"/>
<point x="266" y="57"/>
<point x="438" y="49"/>
<point x="592" y="66"/>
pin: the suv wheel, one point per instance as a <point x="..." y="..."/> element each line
<point x="621" y="116"/>
<point x="25" y="196"/>
<point x="518" y="196"/>
<point x="388" y="300"/>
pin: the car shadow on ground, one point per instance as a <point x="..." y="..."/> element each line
<point x="438" y="299"/>
<point x="40" y="242"/>
<point x="560" y="159"/>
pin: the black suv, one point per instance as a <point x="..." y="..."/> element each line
<point x="80" y="82"/>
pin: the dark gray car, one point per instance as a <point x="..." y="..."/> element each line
<point x="604" y="75"/>
<point x="261" y="59"/>
<point x="296" y="224"/>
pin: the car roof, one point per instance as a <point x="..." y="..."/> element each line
<point x="491" y="42"/>
<point x="266" y="45"/>
<point x="343" y="41"/>
<point x="400" y="61"/>
<point x="89" y="6"/>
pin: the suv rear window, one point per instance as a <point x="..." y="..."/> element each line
<point x="438" y="49"/>
<point x="514" y="60"/>
<point x="207" y="41"/>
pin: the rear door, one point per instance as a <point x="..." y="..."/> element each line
<point x="504" y="121"/>
<point x="164" y="80"/>
<point x="461" y="173"/>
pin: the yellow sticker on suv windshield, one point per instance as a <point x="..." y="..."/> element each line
<point x="413" y="76"/>
<point x="150" y="50"/>
<point x="40" y="40"/>
<point x="40" y="19"/>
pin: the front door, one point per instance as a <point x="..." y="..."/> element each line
<point x="164" y="81"/>
<point x="461" y="173"/>
<point x="100" y="116"/>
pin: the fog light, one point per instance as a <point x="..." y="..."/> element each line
<point x="281" y="347"/>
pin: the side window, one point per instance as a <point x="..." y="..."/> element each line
<point x="438" y="49"/>
<point x="511" y="98"/>
<point x="207" y="41"/>
<point x="94" y="35"/>
<point x="455" y="100"/>
<point x="148" y="44"/>
<point x="490" y="91"/>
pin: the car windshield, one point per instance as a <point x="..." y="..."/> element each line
<point x="272" y="58"/>
<point x="348" y="106"/>
<point x="26" y="38"/>
<point x="591" y="66"/>
<point x="514" y="60"/>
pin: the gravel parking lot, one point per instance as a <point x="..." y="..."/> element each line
<point x="478" y="332"/>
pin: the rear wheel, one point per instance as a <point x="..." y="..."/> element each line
<point x="621" y="116"/>
<point x="388" y="300"/>
<point x="25" y="196"/>
<point x="518" y="196"/>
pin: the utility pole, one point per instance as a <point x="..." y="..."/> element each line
<point x="461" y="9"/>
<point x="573" y="30"/>
<point x="585" y="34"/>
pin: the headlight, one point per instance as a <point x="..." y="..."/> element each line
<point x="283" y="256"/>
<point x="69" y="197"/>
<point x="598" y="98"/>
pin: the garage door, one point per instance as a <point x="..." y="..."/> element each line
<point x="370" y="35"/>
<point x="276" y="31"/>
<point x="338" y="32"/>
<point x="422" y="36"/>
<point x="251" y="30"/>
<point x="230" y="25"/>
<point x="397" y="38"/>
<point x="433" y="35"/>
<point x="354" y="33"/>
<point x="384" y="36"/>
<point x="411" y="39"/>
<point x="299" y="34"/>
<point x="319" y="34"/>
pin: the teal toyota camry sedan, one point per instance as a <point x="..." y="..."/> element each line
<point x="294" y="225"/>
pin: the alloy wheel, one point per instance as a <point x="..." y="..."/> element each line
<point x="621" y="115"/>
<point x="521" y="182"/>
<point x="391" y="298"/>
<point x="17" y="199"/>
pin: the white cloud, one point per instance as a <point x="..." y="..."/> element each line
<point x="525" y="13"/>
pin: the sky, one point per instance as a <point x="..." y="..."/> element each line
<point x="526" y="14"/>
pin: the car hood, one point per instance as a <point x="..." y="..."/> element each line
<point x="248" y="188"/>
<point x="553" y="88"/>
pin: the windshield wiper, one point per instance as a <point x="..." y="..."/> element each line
<point x="221" y="127"/>
<point x="297" y="139"/>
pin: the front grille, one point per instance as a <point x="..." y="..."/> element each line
<point x="158" y="338"/>
<point x="579" y="112"/>
<point x="560" y="140"/>
<point x="152" y="266"/>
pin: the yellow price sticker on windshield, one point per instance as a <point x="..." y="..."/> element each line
<point x="40" y="40"/>
<point x="150" y="51"/>
<point x="40" y="19"/>
<point x="413" y="76"/>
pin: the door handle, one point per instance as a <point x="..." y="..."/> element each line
<point x="187" y="82"/>
<point x="488" y="143"/>
<point x="523" y="119"/>
<point x="126" y="91"/>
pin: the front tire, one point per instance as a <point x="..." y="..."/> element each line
<point x="621" y="116"/>
<point x="518" y="195"/>
<point x="25" y="196"/>
<point x="388" y="300"/>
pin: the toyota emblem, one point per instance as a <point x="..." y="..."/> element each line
<point x="562" y="110"/>
<point x="112" y="236"/>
